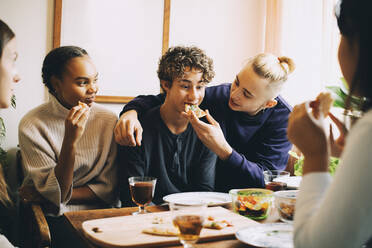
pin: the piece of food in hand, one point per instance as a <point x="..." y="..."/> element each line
<point x="83" y="105"/>
<point x="194" y="108"/>
<point x="161" y="230"/>
<point x="322" y="105"/>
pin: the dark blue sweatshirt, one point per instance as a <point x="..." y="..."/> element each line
<point x="259" y="142"/>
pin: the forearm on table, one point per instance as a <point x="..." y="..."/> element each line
<point x="82" y="195"/>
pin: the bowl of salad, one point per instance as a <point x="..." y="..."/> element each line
<point x="254" y="203"/>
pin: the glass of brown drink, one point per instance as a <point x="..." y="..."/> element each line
<point x="270" y="177"/>
<point x="188" y="218"/>
<point x="142" y="191"/>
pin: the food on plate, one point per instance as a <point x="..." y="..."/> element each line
<point x="194" y="108"/>
<point x="252" y="203"/>
<point x="212" y="223"/>
<point x="322" y="104"/>
<point x="157" y="220"/>
<point x="161" y="230"/>
<point x="216" y="224"/>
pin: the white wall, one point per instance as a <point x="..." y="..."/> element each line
<point x="32" y="22"/>
<point x="124" y="39"/>
<point x="230" y="31"/>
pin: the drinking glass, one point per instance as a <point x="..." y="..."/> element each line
<point x="270" y="175"/>
<point x="188" y="218"/>
<point x="142" y="191"/>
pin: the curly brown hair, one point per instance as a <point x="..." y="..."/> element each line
<point x="178" y="59"/>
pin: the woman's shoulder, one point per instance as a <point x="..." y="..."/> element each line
<point x="35" y="115"/>
<point x="364" y="121"/>
<point x="101" y="111"/>
<point x="361" y="132"/>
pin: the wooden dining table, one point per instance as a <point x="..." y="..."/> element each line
<point x="75" y="219"/>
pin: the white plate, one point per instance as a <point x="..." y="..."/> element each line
<point x="292" y="182"/>
<point x="273" y="235"/>
<point x="212" y="198"/>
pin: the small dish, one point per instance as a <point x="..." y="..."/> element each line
<point x="211" y="198"/>
<point x="285" y="202"/>
<point x="273" y="235"/>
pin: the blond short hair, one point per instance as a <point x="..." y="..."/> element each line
<point x="276" y="69"/>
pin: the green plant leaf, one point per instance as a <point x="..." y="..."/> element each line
<point x="2" y="128"/>
<point x="338" y="95"/>
<point x="333" y="163"/>
<point x="13" y="101"/>
<point x="344" y="83"/>
<point x="293" y="154"/>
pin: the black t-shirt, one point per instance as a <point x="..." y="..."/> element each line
<point x="181" y="163"/>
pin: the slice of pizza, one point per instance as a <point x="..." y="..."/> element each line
<point x="216" y="224"/>
<point x="83" y="105"/>
<point x="194" y="108"/>
<point x="161" y="230"/>
<point x="322" y="105"/>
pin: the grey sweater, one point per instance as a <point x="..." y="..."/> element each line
<point x="41" y="133"/>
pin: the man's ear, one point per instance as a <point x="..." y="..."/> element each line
<point x="165" y="85"/>
<point x="271" y="103"/>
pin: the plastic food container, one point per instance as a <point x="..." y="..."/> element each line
<point x="254" y="203"/>
<point x="285" y="202"/>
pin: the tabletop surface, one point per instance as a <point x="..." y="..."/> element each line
<point x="75" y="219"/>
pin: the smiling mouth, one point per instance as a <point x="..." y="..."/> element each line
<point x="89" y="100"/>
<point x="233" y="103"/>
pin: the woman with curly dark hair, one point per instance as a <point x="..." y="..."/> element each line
<point x="171" y="150"/>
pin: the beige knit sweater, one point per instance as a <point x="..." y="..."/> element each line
<point x="41" y="133"/>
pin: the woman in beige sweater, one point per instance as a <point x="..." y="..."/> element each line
<point x="67" y="146"/>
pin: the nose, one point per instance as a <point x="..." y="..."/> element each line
<point x="235" y="93"/>
<point x="93" y="88"/>
<point x="192" y="95"/>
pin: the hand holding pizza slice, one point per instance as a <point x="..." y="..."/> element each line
<point x="83" y="105"/>
<point x="321" y="105"/>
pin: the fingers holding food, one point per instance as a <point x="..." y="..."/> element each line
<point x="321" y="105"/>
<point x="195" y="108"/>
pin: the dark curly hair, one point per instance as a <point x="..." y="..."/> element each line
<point x="56" y="60"/>
<point x="174" y="62"/>
<point x="6" y="34"/>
